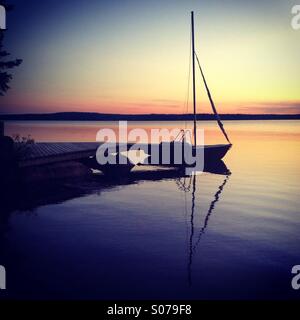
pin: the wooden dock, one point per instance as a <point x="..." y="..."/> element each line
<point x="43" y="153"/>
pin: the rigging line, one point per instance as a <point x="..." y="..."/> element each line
<point x="212" y="102"/>
<point x="210" y="210"/>
<point x="186" y="110"/>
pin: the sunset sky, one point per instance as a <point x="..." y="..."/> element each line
<point x="133" y="56"/>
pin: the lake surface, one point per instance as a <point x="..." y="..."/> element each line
<point x="162" y="236"/>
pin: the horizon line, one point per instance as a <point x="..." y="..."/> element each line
<point x="143" y="114"/>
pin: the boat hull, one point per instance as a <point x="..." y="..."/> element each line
<point x="214" y="153"/>
<point x="211" y="153"/>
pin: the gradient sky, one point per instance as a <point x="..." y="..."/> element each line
<point x="133" y="56"/>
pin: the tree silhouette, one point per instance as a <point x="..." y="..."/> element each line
<point x="5" y="63"/>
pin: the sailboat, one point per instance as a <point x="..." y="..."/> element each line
<point x="212" y="153"/>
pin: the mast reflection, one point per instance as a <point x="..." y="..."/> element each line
<point x="189" y="184"/>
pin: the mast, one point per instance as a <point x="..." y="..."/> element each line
<point x="194" y="79"/>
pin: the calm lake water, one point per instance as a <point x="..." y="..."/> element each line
<point x="234" y="236"/>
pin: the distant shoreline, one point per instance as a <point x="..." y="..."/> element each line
<point x="85" y="116"/>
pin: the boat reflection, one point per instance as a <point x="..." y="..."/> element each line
<point x="189" y="185"/>
<point x="31" y="196"/>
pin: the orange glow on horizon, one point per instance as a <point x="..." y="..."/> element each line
<point x="110" y="62"/>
